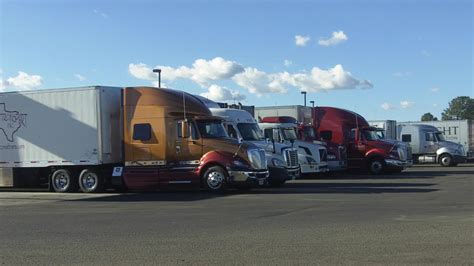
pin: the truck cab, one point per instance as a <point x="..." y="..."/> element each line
<point x="241" y="125"/>
<point x="312" y="157"/>
<point x="337" y="154"/>
<point x="365" y="149"/>
<point x="430" y="146"/>
<point x="171" y="138"/>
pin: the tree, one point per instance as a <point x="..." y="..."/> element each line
<point x="428" y="117"/>
<point x="461" y="107"/>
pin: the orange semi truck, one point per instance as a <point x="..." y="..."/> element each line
<point x="141" y="138"/>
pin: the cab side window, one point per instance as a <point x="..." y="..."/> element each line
<point x="430" y="137"/>
<point x="268" y="133"/>
<point x="406" y="137"/>
<point x="231" y="131"/>
<point x="142" y="132"/>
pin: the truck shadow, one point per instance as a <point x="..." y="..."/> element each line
<point x="290" y="188"/>
<point x="423" y="174"/>
<point x="349" y="187"/>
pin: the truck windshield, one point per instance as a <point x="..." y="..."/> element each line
<point x="380" y="134"/>
<point x="370" y="134"/>
<point x="250" y="131"/>
<point x="289" y="133"/>
<point x="211" y="129"/>
<point x="439" y="136"/>
<point x="309" y="133"/>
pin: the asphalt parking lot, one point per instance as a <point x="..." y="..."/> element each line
<point x="422" y="216"/>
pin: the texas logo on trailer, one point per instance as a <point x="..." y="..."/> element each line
<point x="10" y="122"/>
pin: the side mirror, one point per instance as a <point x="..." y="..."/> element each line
<point x="267" y="140"/>
<point x="185" y="129"/>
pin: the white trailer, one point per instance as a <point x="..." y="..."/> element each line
<point x="74" y="135"/>
<point x="389" y="127"/>
<point x="458" y="131"/>
<point x="299" y="112"/>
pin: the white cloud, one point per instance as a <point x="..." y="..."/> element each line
<point x="80" y="77"/>
<point x="102" y="14"/>
<point x="259" y="82"/>
<point x="387" y="106"/>
<point x="435" y="105"/>
<point x="201" y="72"/>
<point x="254" y="80"/>
<point x="406" y="104"/>
<point x="302" y="40"/>
<point x="336" y="38"/>
<point x="434" y="89"/>
<point x="287" y="62"/>
<point x="222" y="94"/>
<point x="402" y="74"/>
<point x="22" y="81"/>
<point x="425" y="53"/>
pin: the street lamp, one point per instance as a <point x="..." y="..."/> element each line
<point x="304" y="93"/>
<point x="157" y="70"/>
<point x="312" y="103"/>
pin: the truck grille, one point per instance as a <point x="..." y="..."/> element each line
<point x="291" y="157"/>
<point x="323" y="155"/>
<point x="263" y="160"/>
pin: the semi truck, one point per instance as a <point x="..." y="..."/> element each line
<point x="312" y="157"/>
<point x="430" y="146"/>
<point x="365" y="148"/>
<point x="336" y="153"/>
<point x="141" y="138"/>
<point x="240" y="124"/>
<point x="458" y="131"/>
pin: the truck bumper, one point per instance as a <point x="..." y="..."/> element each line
<point x="314" y="168"/>
<point x="397" y="164"/>
<point x="254" y="178"/>
<point x="282" y="174"/>
<point x="337" y="165"/>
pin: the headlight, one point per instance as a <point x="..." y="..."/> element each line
<point x="395" y="153"/>
<point x="310" y="160"/>
<point x="239" y="163"/>
<point x="331" y="157"/>
<point x="278" y="162"/>
<point x="257" y="158"/>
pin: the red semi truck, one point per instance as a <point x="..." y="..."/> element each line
<point x="365" y="149"/>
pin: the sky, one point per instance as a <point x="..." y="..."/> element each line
<point x="382" y="59"/>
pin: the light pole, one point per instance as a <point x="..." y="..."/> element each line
<point x="312" y="103"/>
<point x="157" y="70"/>
<point x="304" y="94"/>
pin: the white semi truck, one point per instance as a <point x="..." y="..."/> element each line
<point x="388" y="128"/>
<point x="312" y="157"/>
<point x="282" y="159"/>
<point x="430" y="146"/>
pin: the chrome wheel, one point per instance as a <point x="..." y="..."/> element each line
<point x="215" y="180"/>
<point x="89" y="181"/>
<point x="61" y="181"/>
<point x="446" y="160"/>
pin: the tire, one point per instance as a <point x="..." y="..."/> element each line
<point x="62" y="180"/>
<point x="214" y="179"/>
<point x="446" y="160"/>
<point x="376" y="166"/>
<point x="90" y="181"/>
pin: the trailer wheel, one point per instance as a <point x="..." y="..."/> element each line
<point x="446" y="160"/>
<point x="90" y="181"/>
<point x="214" y="179"/>
<point x="376" y="166"/>
<point x="63" y="181"/>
